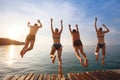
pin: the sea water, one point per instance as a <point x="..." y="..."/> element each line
<point x="38" y="60"/>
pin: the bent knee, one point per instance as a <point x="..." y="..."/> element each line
<point x="25" y="46"/>
<point x="103" y="53"/>
<point x="82" y="52"/>
<point x="30" y="48"/>
<point x="59" y="58"/>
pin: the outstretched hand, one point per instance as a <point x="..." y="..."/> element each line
<point x="38" y="21"/>
<point x="103" y="25"/>
<point x="61" y="21"/>
<point x="76" y="25"/>
<point x="51" y="20"/>
<point x="28" y="22"/>
<point x="69" y="25"/>
<point x="95" y="18"/>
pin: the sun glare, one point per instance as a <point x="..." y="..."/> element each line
<point x="13" y="33"/>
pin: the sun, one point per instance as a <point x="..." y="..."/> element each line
<point x="13" y="33"/>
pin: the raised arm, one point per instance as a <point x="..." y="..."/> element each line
<point x="107" y="30"/>
<point x="96" y="23"/>
<point x="61" y="26"/>
<point x="70" y="28"/>
<point x="77" y="28"/>
<point x="28" y="24"/>
<point x="52" y="25"/>
<point x="39" y="23"/>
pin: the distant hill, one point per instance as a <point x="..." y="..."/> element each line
<point x="6" y="41"/>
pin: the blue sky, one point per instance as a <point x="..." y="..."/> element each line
<point x="14" y="16"/>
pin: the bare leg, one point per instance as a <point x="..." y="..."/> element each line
<point x="97" y="53"/>
<point x="60" y="72"/>
<point x="84" y="55"/>
<point x="78" y="55"/>
<point x="24" y="48"/>
<point x="29" y="48"/>
<point x="103" y="54"/>
<point x="52" y="55"/>
<point x="60" y="62"/>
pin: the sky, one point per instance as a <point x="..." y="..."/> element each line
<point x="14" y="15"/>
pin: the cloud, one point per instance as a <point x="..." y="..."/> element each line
<point x="18" y="12"/>
<point x="30" y="11"/>
<point x="114" y="31"/>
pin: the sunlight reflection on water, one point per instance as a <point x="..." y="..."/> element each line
<point x="38" y="61"/>
<point x="11" y="55"/>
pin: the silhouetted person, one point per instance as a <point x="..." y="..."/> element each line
<point x="101" y="43"/>
<point x="30" y="39"/>
<point x="56" y="35"/>
<point x="78" y="46"/>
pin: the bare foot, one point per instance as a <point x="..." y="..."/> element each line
<point x="97" y="56"/>
<point x="51" y="56"/>
<point x="53" y="59"/>
<point x="21" y="53"/>
<point x="81" y="62"/>
<point x="86" y="63"/>
<point x="102" y="61"/>
<point x="60" y="75"/>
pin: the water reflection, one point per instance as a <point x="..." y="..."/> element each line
<point x="11" y="55"/>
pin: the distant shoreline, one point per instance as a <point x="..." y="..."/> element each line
<point x="7" y="41"/>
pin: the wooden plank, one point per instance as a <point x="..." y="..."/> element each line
<point x="46" y="77"/>
<point x="22" y="77"/>
<point x="84" y="76"/>
<point x="54" y="77"/>
<point x="29" y="76"/>
<point x="67" y="79"/>
<point x="80" y="76"/>
<point x="111" y="73"/>
<point x="110" y="76"/>
<point x="100" y="74"/>
<point x="116" y="70"/>
<point x="69" y="76"/>
<point x="61" y="77"/>
<point x="104" y="75"/>
<point x="94" y="75"/>
<point x="89" y="76"/>
<point x="72" y="77"/>
<point x="40" y="76"/>
<point x="36" y="77"/>
<point x="32" y="77"/>
<point x="8" y="77"/>
<point x="16" y="77"/>
<point x="116" y="75"/>
<point x="76" y="76"/>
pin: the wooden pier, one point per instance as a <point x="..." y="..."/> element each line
<point x="91" y="75"/>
